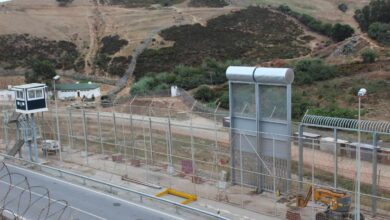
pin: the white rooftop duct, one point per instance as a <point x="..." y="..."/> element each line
<point x="262" y="75"/>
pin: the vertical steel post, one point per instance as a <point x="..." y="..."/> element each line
<point x="259" y="165"/>
<point x="6" y="130"/>
<point x="288" y="139"/>
<point x="300" y="161"/>
<point x="374" y="183"/>
<point x="34" y="138"/>
<point x="232" y="159"/>
<point x="335" y="151"/>
<point x="71" y="127"/>
<point x="274" y="173"/>
<point x="114" y="124"/>
<point x="169" y="136"/>
<point x="100" y="132"/>
<point x="57" y="122"/>
<point x="85" y="136"/>
<point x="192" y="147"/>
<point x="241" y="174"/>
<point x="132" y="134"/>
<point x="150" y="140"/>
<point x="358" y="167"/>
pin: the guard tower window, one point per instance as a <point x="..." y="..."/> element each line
<point x="31" y="94"/>
<point x="35" y="94"/>
<point x="19" y="94"/>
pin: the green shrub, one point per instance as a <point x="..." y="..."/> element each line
<point x="341" y="32"/>
<point x="224" y="100"/>
<point x="334" y="112"/>
<point x="167" y="78"/>
<point x="380" y="32"/>
<point x="42" y="72"/>
<point x="343" y="7"/>
<point x="337" y="32"/>
<point x="310" y="70"/>
<point x="204" y="93"/>
<point x="208" y="3"/>
<point x="375" y="11"/>
<point x="368" y="56"/>
<point x="299" y="105"/>
<point x="143" y="86"/>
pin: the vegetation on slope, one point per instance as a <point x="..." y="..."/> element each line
<point x="337" y="32"/>
<point x="23" y="50"/>
<point x="239" y="35"/>
<point x="143" y="3"/>
<point x="42" y="71"/>
<point x="115" y="66"/>
<point x="208" y="3"/>
<point x="375" y="19"/>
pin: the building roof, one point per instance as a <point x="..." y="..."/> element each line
<point x="30" y="85"/>
<point x="77" y="86"/>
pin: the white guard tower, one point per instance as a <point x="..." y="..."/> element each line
<point x="30" y="99"/>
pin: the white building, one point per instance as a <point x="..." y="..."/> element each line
<point x="78" y="90"/>
<point x="7" y="95"/>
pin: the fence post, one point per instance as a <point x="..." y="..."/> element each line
<point x="336" y="168"/>
<point x="169" y="136"/>
<point x="100" y="132"/>
<point x="71" y="128"/>
<point x="300" y="161"/>
<point x="374" y="173"/>
<point x="5" y="124"/>
<point x="85" y="136"/>
<point x="150" y="138"/>
<point x="241" y="174"/>
<point x="114" y="124"/>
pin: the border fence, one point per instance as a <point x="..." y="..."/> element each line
<point x="190" y="151"/>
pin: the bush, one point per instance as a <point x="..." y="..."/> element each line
<point x="310" y="70"/>
<point x="343" y="7"/>
<point x="368" y="56"/>
<point x="204" y="93"/>
<point x="208" y="3"/>
<point x="376" y="11"/>
<point x="334" y="112"/>
<point x="42" y="72"/>
<point x="224" y="100"/>
<point x="341" y="32"/>
<point x="337" y="32"/>
<point x="64" y="2"/>
<point x="380" y="32"/>
<point x="143" y="86"/>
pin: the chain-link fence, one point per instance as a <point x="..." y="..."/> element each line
<point x="190" y="151"/>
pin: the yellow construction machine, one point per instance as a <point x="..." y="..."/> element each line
<point x="338" y="203"/>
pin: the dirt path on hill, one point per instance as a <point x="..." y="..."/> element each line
<point x="96" y="26"/>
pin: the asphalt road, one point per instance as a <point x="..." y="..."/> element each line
<point x="84" y="203"/>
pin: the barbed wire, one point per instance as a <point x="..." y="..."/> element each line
<point x="20" y="200"/>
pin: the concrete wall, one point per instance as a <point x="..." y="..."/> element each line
<point x="74" y="94"/>
<point x="6" y="95"/>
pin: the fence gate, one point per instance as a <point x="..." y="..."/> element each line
<point x="260" y="116"/>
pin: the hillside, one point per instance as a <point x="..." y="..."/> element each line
<point x="194" y="40"/>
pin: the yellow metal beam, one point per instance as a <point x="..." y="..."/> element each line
<point x="189" y="197"/>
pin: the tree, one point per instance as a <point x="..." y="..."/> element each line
<point x="368" y="56"/>
<point x="42" y="72"/>
<point x="343" y="7"/>
<point x="375" y="11"/>
<point x="341" y="32"/>
<point x="204" y="93"/>
<point x="380" y="32"/>
<point x="64" y="2"/>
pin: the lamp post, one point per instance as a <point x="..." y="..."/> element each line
<point x="55" y="78"/>
<point x="362" y="92"/>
